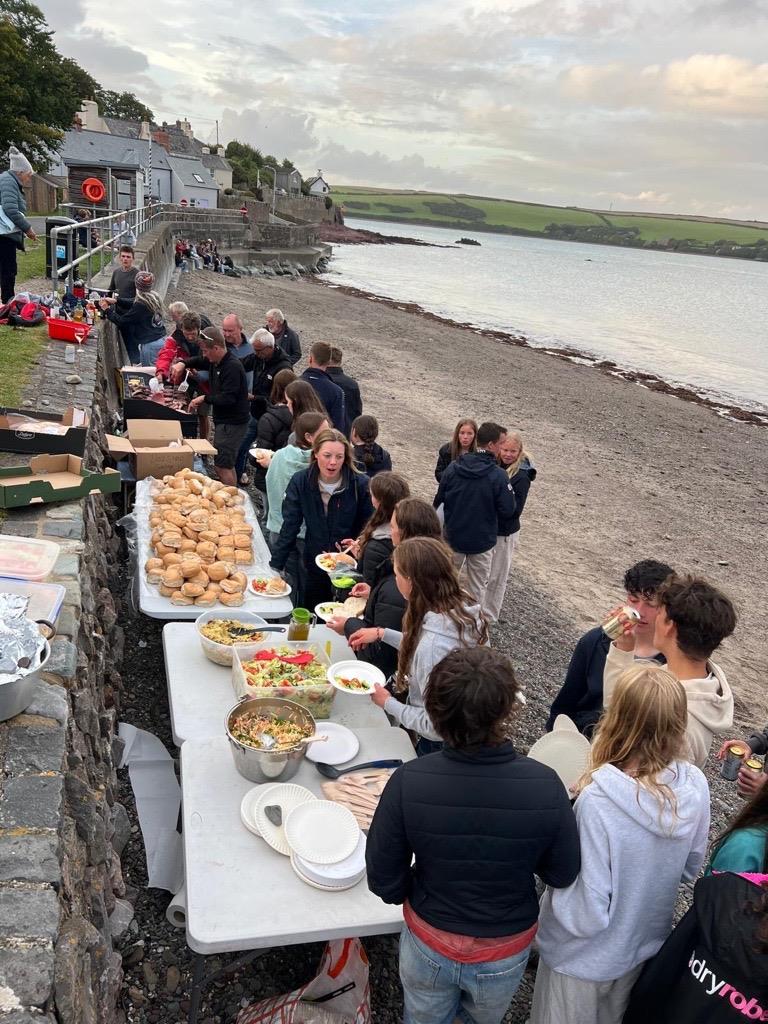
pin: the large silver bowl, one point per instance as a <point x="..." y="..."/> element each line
<point x="268" y="765"/>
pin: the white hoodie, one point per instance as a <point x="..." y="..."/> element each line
<point x="710" y="702"/>
<point x="618" y="912"/>
<point x="438" y="637"/>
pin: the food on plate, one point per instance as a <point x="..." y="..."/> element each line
<point x="297" y="675"/>
<point x="353" y="683"/>
<point x="344" y="582"/>
<point x="271" y="585"/>
<point x="354" y="606"/>
<point x="250" y="726"/>
<point x="231" y="631"/>
<point x="329" y="609"/>
<point x="333" y="560"/>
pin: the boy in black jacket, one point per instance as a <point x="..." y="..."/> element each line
<point x="457" y="838"/>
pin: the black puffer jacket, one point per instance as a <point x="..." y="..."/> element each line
<point x="479" y="825"/>
<point x="378" y="459"/>
<point x="385" y="607"/>
<point x="264" y="371"/>
<point x="521" y="484"/>
<point x="274" y="431"/>
<point x="443" y="460"/>
<point x="376" y="562"/>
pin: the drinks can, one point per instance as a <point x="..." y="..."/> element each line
<point x="754" y="764"/>
<point x="733" y="760"/>
<point x="613" y="627"/>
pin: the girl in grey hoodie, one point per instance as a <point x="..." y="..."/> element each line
<point x="643" y="818"/>
<point x="440" y="618"/>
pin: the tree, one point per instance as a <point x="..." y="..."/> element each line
<point x="41" y="91"/>
<point x="122" y="104"/>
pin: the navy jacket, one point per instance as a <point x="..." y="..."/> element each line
<point x="378" y="457"/>
<point x="348" y="511"/>
<point x="480" y="825"/>
<point x="288" y="340"/>
<point x="521" y="484"/>
<point x="264" y="371"/>
<point x="353" y="402"/>
<point x="479" y="503"/>
<point x="330" y="395"/>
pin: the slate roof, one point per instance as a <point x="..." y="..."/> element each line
<point x="120" y="126"/>
<point x="214" y="161"/>
<point x="84" y="148"/>
<point x="187" y="167"/>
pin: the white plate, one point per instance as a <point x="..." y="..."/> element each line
<point x="267" y="597"/>
<point x="565" y="751"/>
<point x="248" y="806"/>
<point x="336" y="874"/>
<point x="289" y="797"/>
<point x="337" y="607"/>
<point x="321" y="831"/>
<point x="324" y="888"/>
<point x="340" y="747"/>
<point x="370" y="674"/>
<point x="342" y="561"/>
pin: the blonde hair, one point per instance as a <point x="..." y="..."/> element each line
<point x="642" y="730"/>
<point x="336" y="437"/>
<point x="514" y="435"/>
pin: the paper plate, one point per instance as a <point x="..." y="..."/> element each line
<point x="321" y="831"/>
<point x="564" y="724"/>
<point x="248" y="806"/>
<point x="354" y="669"/>
<point x="289" y="797"/>
<point x="331" y="608"/>
<point x="267" y="597"/>
<point x="341" y="561"/>
<point x="325" y="888"/>
<point x="565" y="751"/>
<point x="336" y="874"/>
<point x="340" y="747"/>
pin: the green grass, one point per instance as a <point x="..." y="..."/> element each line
<point x="31" y="263"/>
<point x="20" y="349"/>
<point x="481" y="213"/>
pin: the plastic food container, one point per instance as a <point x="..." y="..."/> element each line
<point x="68" y="330"/>
<point x="24" y="558"/>
<point x="221" y="654"/>
<point x="45" y="599"/>
<point x="315" y="696"/>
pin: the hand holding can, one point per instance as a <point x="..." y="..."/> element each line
<point x="732" y="754"/>
<point x="751" y="778"/>
<point x="620" y="626"/>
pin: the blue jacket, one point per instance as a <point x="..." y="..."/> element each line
<point x="348" y="511"/>
<point x="479" y="503"/>
<point x="14" y="207"/>
<point x="330" y="395"/>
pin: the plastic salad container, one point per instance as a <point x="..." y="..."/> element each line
<point x="24" y="558"/>
<point x="221" y="654"/>
<point x="294" y="671"/>
<point x="45" y="599"/>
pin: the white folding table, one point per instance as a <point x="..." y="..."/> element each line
<point x="200" y="693"/>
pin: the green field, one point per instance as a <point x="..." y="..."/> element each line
<point x="477" y="213"/>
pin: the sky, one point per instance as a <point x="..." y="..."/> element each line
<point x="653" y="105"/>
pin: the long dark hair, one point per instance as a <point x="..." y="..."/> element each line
<point x="428" y="564"/>
<point x="388" y="489"/>
<point x="416" y="518"/>
<point x="304" y="399"/>
<point x="752" y="815"/>
<point x="367" y="429"/>
<point x="455" y="446"/>
<point x="307" y="423"/>
<point x="280" y="382"/>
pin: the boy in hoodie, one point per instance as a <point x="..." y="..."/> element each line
<point x="692" y="621"/>
<point x="479" y="506"/>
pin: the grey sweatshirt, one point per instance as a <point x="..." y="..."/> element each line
<point x="618" y="912"/>
<point x="438" y="637"/>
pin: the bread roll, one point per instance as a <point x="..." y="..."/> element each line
<point x="240" y="578"/>
<point x="201" y="577"/>
<point x="188" y="545"/>
<point x="232" y="600"/>
<point x="153" y="563"/>
<point x="240" y="526"/>
<point x="210" y="597"/>
<point x="226" y="554"/>
<point x="242" y="540"/>
<point x="206" y="549"/>
<point x="218" y="571"/>
<point x="178" y="598"/>
<point x="214" y="588"/>
<point x="227" y="540"/>
<point x="166" y="591"/>
<point x="172" y="558"/>
<point x="190" y="589"/>
<point x="243" y="557"/>
<point x="171" y="539"/>
<point x="229" y="586"/>
<point x="209" y="536"/>
<point x="190" y="533"/>
<point x="172" y="576"/>
<point x="191" y="566"/>
<point x="155" y="576"/>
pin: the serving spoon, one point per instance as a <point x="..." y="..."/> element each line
<point x="331" y="772"/>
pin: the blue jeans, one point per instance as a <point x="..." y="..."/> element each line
<point x="250" y="436"/>
<point x="150" y="350"/>
<point x="438" y="990"/>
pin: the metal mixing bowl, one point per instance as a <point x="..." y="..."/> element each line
<point x="268" y="765"/>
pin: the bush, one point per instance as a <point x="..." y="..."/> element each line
<point x="328" y="202"/>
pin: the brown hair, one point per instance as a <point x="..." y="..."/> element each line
<point x="336" y="437"/>
<point x="470" y="696"/>
<point x="388" y="489"/>
<point x="367" y="429"/>
<point x="455" y="446"/>
<point x="643" y="728"/>
<point x="304" y="399"/>
<point x="307" y="423"/>
<point x="428" y="564"/>
<point x="127" y="248"/>
<point x="190" y="322"/>
<point x="213" y="337"/>
<point x="321" y="353"/>
<point x="336" y="355"/>
<point x="280" y="382"/>
<point x="703" y="615"/>
<point x="416" y="518"/>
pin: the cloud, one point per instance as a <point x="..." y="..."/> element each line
<point x="345" y="166"/>
<point x="720" y="83"/>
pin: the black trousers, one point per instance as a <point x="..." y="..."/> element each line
<point x="8" y="268"/>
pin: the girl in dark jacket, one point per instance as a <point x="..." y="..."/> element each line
<point x="275" y="426"/>
<point x="385" y="605"/>
<point x="331" y="498"/>
<point x="371" y="457"/>
<point x="373" y="547"/>
<point x="142" y="323"/>
<point x="464" y="440"/>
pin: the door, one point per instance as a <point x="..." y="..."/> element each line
<point x="123" y="193"/>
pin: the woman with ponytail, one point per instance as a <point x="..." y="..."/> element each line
<point x="369" y="455"/>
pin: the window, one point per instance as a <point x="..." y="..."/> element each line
<point x="198" y="179"/>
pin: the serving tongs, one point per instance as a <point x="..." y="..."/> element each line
<point x="244" y="631"/>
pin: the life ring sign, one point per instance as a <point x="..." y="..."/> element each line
<point x="93" y="190"/>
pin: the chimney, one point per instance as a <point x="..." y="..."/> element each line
<point x="144" y="132"/>
<point x="162" y="138"/>
<point x="206" y="150"/>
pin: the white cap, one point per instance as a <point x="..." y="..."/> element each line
<point x="19" y="162"/>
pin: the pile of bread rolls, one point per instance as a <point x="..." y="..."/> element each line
<point x="200" y="541"/>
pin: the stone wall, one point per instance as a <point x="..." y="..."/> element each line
<point x="300" y="208"/>
<point x="288" y="236"/>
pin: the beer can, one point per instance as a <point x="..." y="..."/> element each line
<point x="754" y="764"/>
<point x="613" y="627"/>
<point x="733" y="760"/>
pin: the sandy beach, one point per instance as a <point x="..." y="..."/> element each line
<point x="624" y="472"/>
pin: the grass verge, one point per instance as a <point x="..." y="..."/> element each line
<point x="20" y="349"/>
<point x="31" y="263"/>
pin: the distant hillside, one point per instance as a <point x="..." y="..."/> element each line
<point x="477" y="213"/>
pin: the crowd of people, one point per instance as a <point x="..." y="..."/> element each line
<point x="464" y="831"/>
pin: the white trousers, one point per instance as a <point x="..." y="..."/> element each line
<point x="501" y="562"/>
<point x="562" y="999"/>
<point x="474" y="572"/>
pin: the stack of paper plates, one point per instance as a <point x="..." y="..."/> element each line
<point x="326" y="844"/>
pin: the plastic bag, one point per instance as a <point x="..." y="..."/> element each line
<point x="344" y="971"/>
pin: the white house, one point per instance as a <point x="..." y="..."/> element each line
<point x="317" y="185"/>
<point x="192" y="181"/>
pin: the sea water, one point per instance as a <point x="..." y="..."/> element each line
<point x="699" y="321"/>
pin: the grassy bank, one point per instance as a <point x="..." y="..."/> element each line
<point x="32" y="262"/>
<point x="20" y="349"/>
<point x="484" y="214"/>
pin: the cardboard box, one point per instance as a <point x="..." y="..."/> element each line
<point x="66" y="437"/>
<point x="157" y="447"/>
<point x="53" y="478"/>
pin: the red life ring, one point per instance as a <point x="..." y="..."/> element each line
<point x="93" y="190"/>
